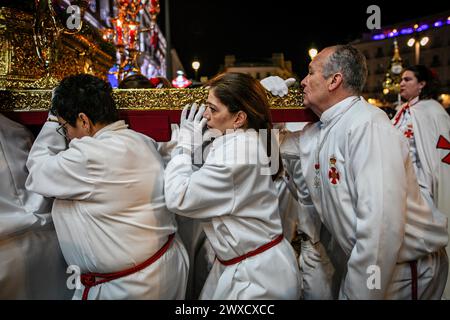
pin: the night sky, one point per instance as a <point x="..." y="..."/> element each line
<point x="251" y="29"/>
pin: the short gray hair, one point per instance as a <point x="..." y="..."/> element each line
<point x="349" y="61"/>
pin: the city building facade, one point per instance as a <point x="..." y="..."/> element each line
<point x="433" y="52"/>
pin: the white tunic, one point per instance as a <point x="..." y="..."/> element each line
<point x="31" y="262"/>
<point x="239" y="208"/>
<point x="319" y="277"/>
<point x="427" y="125"/>
<point x="368" y="197"/>
<point x="110" y="212"/>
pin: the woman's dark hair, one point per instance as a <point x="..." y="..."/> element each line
<point x="135" y="81"/>
<point x="139" y="81"/>
<point x="87" y="94"/>
<point x="431" y="88"/>
<point x="241" y="92"/>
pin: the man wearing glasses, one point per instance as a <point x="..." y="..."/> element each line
<point x="109" y="208"/>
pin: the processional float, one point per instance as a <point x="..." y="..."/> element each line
<point x="41" y="47"/>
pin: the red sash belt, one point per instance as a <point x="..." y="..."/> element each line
<point x="413" y="266"/>
<point x="89" y="279"/>
<point x="259" y="250"/>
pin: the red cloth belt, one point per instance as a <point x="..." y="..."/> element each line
<point x="89" y="279"/>
<point x="259" y="250"/>
<point x="413" y="266"/>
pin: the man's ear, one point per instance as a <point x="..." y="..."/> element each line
<point x="336" y="81"/>
<point x="85" y="121"/>
<point x="240" y="120"/>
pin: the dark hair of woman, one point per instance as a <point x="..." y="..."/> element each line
<point x="241" y="92"/>
<point x="431" y="88"/>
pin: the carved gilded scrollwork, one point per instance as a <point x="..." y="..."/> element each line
<point x="134" y="99"/>
<point x="19" y="67"/>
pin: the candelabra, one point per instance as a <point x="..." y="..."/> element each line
<point x="125" y="33"/>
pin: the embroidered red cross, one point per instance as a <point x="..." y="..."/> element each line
<point x="409" y="133"/>
<point x="333" y="175"/>
<point x="444" y="144"/>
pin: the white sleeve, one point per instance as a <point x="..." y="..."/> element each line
<point x="308" y="219"/>
<point x="56" y="172"/>
<point x="205" y="193"/>
<point x="377" y="158"/>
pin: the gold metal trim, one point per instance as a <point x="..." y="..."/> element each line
<point x="135" y="99"/>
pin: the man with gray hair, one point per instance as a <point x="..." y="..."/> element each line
<point x="360" y="179"/>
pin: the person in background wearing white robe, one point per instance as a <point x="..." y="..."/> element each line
<point x="109" y="210"/>
<point x="363" y="186"/>
<point x="233" y="195"/>
<point x="31" y="262"/>
<point x="320" y="281"/>
<point x="426" y="126"/>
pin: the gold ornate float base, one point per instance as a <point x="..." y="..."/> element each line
<point x="133" y="99"/>
<point x="150" y="111"/>
<point x="19" y="66"/>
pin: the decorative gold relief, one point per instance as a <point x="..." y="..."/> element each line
<point x="19" y="66"/>
<point x="134" y="99"/>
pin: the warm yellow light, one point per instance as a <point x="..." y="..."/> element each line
<point x="445" y="100"/>
<point x="424" y="41"/>
<point x="386" y="91"/>
<point x="411" y="42"/>
<point x="195" y="65"/>
<point x="416" y="26"/>
<point x="394" y="31"/>
<point x="313" y="52"/>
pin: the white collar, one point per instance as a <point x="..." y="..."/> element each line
<point x="336" y="110"/>
<point x="413" y="101"/>
<point x="118" y="125"/>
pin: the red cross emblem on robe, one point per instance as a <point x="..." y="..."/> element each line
<point x="444" y="144"/>
<point x="409" y="133"/>
<point x="333" y="173"/>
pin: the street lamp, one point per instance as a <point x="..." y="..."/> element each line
<point x="418" y="43"/>
<point x="196" y="66"/>
<point x="312" y="53"/>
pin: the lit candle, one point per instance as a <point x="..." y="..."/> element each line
<point x="132" y="36"/>
<point x="119" y="33"/>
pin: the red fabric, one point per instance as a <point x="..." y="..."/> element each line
<point x="89" y="279"/>
<point x="400" y="114"/>
<point x="444" y="144"/>
<point x="156" y="123"/>
<point x="155" y="81"/>
<point x="413" y="266"/>
<point x="261" y="249"/>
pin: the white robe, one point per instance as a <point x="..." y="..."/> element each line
<point x="239" y="208"/>
<point x="430" y="121"/>
<point x="190" y="231"/>
<point x="31" y="262"/>
<point x="320" y="280"/>
<point x="370" y="202"/>
<point x="110" y="212"/>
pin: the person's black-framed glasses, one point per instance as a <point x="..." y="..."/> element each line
<point x="62" y="130"/>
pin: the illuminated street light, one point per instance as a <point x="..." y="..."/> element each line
<point x="424" y="41"/>
<point x="196" y="66"/>
<point x="418" y="43"/>
<point x="411" y="42"/>
<point x="312" y="53"/>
